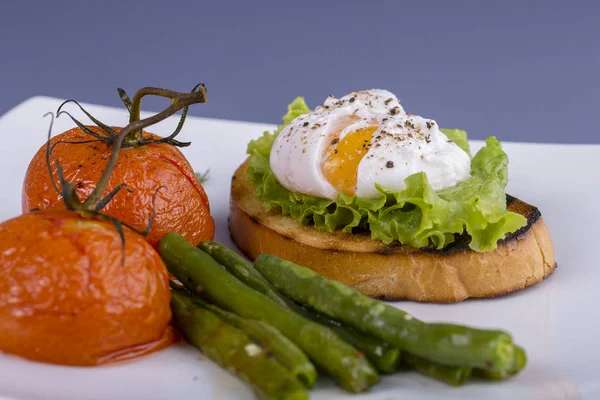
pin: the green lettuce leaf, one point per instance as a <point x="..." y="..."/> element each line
<point x="417" y="216"/>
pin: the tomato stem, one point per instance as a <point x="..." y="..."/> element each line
<point x="128" y="137"/>
<point x="134" y="137"/>
<point x="179" y="101"/>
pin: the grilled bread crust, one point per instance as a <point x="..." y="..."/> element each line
<point x="394" y="271"/>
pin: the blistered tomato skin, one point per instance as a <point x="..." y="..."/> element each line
<point x="66" y="297"/>
<point x="181" y="203"/>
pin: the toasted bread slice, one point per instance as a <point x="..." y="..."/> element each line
<point x="395" y="271"/>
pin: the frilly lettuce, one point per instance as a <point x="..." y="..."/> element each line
<point x="417" y="216"/>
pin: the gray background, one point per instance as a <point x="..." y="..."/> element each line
<point x="521" y="70"/>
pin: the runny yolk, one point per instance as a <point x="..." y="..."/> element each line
<point x="343" y="156"/>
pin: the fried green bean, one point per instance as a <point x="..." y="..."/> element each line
<point x="384" y="357"/>
<point x="519" y="362"/>
<point x="201" y="274"/>
<point x="233" y="350"/>
<point x="446" y="344"/>
<point x="239" y="267"/>
<point x="270" y="339"/>
<point x="451" y="374"/>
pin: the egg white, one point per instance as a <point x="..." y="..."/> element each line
<point x="402" y="145"/>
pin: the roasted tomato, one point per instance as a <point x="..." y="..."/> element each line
<point x="181" y="204"/>
<point x="70" y="294"/>
<point x="160" y="181"/>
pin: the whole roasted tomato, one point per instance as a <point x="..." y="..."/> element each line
<point x="160" y="184"/>
<point x="70" y="293"/>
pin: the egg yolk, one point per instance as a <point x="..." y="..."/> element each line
<point x="342" y="157"/>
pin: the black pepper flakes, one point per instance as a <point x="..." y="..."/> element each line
<point x="389" y="164"/>
<point x="335" y="141"/>
<point x="305" y="124"/>
<point x="428" y="139"/>
<point x="388" y="101"/>
<point x="395" y="110"/>
<point x="352" y="99"/>
<point x="429" y="125"/>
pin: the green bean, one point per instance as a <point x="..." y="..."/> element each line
<point x="233" y="350"/>
<point x="384" y="357"/>
<point x="440" y="343"/>
<point x="457" y="375"/>
<point x="270" y="339"/>
<point x="450" y="374"/>
<point x="519" y="362"/>
<point x="239" y="267"/>
<point x="201" y="274"/>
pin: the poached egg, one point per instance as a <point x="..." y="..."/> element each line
<point x="362" y="139"/>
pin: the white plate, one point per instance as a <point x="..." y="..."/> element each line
<point x="556" y="321"/>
